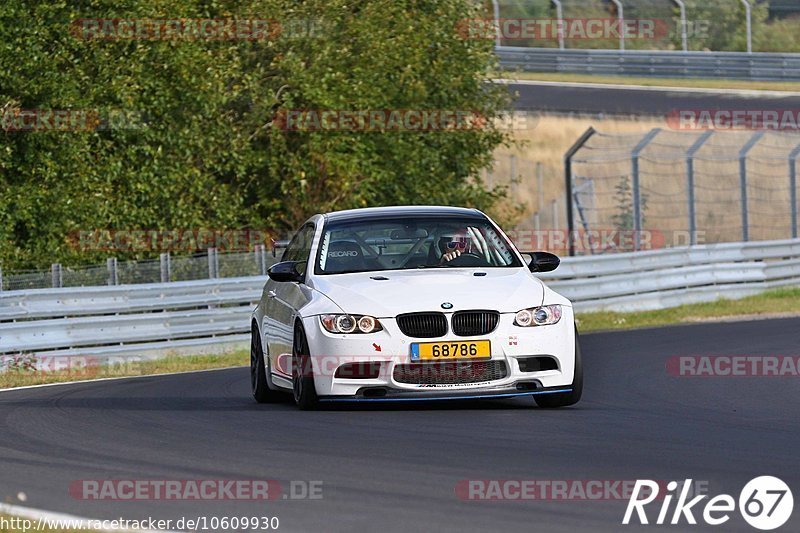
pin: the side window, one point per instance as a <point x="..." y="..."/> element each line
<point x="300" y="247"/>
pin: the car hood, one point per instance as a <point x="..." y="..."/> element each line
<point x="390" y="293"/>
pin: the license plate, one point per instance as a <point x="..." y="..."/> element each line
<point x="450" y="351"/>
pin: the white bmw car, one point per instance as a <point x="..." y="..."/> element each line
<point x="411" y="303"/>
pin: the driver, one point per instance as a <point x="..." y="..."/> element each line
<point x="452" y="247"/>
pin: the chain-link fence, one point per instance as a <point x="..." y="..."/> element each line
<point x="166" y="268"/>
<point x="689" y="25"/>
<point x="671" y="188"/>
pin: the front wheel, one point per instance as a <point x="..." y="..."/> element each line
<point x="303" y="388"/>
<point x="563" y="399"/>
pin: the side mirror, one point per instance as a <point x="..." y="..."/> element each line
<point x="543" y="261"/>
<point x="285" y="271"/>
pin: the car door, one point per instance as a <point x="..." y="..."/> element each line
<point x="285" y="299"/>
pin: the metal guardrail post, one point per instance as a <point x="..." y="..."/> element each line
<point x="559" y="23"/>
<point x="749" y="15"/>
<point x="568" y="184"/>
<point x="56" y="279"/>
<point x="690" y="184"/>
<point x="111" y="266"/>
<point x="166" y="267"/>
<point x="743" y="182"/>
<point x="636" y="186"/>
<point x="621" y="20"/>
<point x="792" y="190"/>
<point x="684" y="38"/>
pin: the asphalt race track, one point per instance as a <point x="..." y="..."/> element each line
<point x="566" y="98"/>
<point x="395" y="468"/>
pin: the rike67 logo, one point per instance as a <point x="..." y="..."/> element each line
<point x="765" y="503"/>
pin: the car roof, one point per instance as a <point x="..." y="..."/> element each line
<point x="373" y="213"/>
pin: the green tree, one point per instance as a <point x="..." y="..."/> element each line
<point x="206" y="152"/>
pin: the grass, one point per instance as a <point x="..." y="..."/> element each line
<point x="694" y="83"/>
<point x="773" y="303"/>
<point x="545" y="141"/>
<point x="21" y="374"/>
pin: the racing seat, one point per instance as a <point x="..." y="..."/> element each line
<point x="344" y="256"/>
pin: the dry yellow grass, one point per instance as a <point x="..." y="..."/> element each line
<point x="545" y="141"/>
<point x="607" y="163"/>
<point x="692" y="83"/>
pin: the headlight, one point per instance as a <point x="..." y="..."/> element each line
<point x="350" y="323"/>
<point x="538" y="316"/>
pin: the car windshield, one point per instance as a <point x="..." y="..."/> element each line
<point x="412" y="243"/>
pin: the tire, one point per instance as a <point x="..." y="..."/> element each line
<point x="563" y="399"/>
<point x="258" y="371"/>
<point x="303" y="388"/>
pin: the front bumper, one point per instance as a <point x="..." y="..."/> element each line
<point x="379" y="394"/>
<point x="390" y="347"/>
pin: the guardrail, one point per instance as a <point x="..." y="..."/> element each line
<point x="147" y="318"/>
<point x="159" y="317"/>
<point x="667" y="278"/>
<point x="664" y="64"/>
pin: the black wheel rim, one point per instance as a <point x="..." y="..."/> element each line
<point x="253" y="362"/>
<point x="297" y="362"/>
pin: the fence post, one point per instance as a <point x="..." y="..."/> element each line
<point x="559" y="23"/>
<point x="166" y="267"/>
<point x="743" y="182"/>
<point x="621" y="20"/>
<point x="792" y="192"/>
<point x="1" y="279"/>
<point x="55" y="276"/>
<point x="496" y="10"/>
<point x="749" y="15"/>
<point x="261" y="259"/>
<point x="690" y="184"/>
<point x="512" y="161"/>
<point x="539" y="187"/>
<point x="684" y="39"/>
<point x="213" y="264"/>
<point x="568" y="184"/>
<point x="111" y="266"/>
<point x="635" y="185"/>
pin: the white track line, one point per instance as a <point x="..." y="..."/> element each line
<point x="738" y="92"/>
<point x="40" y="518"/>
<point x="41" y="385"/>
